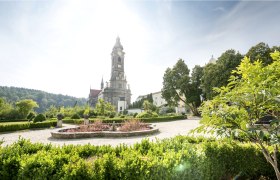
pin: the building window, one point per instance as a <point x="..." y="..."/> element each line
<point x="120" y="85"/>
<point x="120" y="108"/>
<point x="119" y="60"/>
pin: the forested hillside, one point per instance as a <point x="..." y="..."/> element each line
<point x="44" y="99"/>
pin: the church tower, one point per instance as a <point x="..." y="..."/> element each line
<point x="117" y="92"/>
<point x="118" y="79"/>
<point x="102" y="84"/>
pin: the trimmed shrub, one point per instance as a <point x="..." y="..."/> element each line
<point x="14" y="127"/>
<point x="31" y="116"/>
<point x="39" y="118"/>
<point x="112" y="114"/>
<point x="45" y="124"/>
<point x="147" y="114"/>
<point x="27" y="125"/>
<point x="135" y="114"/>
<point x="76" y="116"/>
<point x="120" y="120"/>
<point x="16" y="120"/>
<point x="180" y="157"/>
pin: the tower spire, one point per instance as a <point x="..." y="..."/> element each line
<point x="102" y="83"/>
<point x="118" y="44"/>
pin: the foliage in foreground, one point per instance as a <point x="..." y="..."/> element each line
<point x="253" y="92"/>
<point x="181" y="157"/>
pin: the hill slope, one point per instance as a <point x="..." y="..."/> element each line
<point x="44" y="99"/>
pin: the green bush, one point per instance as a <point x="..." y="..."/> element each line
<point x="112" y="114"/>
<point x="14" y="114"/>
<point x="45" y="124"/>
<point x="27" y="125"/>
<point x="31" y="116"/>
<point x="135" y="114"/>
<point x="181" y="157"/>
<point x="39" y="118"/>
<point x="163" y="118"/>
<point x="14" y="120"/>
<point x="76" y="116"/>
<point x="14" y="127"/>
<point x="120" y="120"/>
<point x="147" y="114"/>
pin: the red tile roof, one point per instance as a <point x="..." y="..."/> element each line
<point x="94" y="92"/>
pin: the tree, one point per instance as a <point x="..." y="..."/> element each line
<point x="149" y="107"/>
<point x="210" y="79"/>
<point x="253" y="92"/>
<point x="177" y="86"/>
<point x="5" y="108"/>
<point x="195" y="94"/>
<point x="43" y="99"/>
<point x="103" y="108"/>
<point x="260" y="52"/>
<point x="51" y="112"/>
<point x="216" y="75"/>
<point x="150" y="98"/>
<point x="25" y="106"/>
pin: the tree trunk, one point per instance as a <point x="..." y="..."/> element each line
<point x="272" y="159"/>
<point x="194" y="110"/>
<point x="274" y="165"/>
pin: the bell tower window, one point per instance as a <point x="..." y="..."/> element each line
<point x="119" y="60"/>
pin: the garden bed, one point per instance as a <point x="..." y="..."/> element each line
<point x="76" y="133"/>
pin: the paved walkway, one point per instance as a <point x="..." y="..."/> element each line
<point x="167" y="129"/>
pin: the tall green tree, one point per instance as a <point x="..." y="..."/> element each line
<point x="196" y="89"/>
<point x="26" y="106"/>
<point x="177" y="86"/>
<point x="261" y="52"/>
<point x="104" y="108"/>
<point x="253" y="92"/>
<point x="216" y="75"/>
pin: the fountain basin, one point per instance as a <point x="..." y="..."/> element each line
<point x="61" y="134"/>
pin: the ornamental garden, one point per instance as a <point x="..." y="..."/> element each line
<point x="238" y="136"/>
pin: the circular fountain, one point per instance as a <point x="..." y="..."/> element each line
<point x="99" y="129"/>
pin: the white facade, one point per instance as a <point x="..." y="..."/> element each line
<point x="122" y="106"/>
<point x="136" y="110"/>
<point x="158" y="99"/>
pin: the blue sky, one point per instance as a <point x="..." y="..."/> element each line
<point x="64" y="46"/>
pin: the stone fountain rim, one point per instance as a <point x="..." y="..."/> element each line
<point x="79" y="135"/>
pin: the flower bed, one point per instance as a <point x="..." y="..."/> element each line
<point x="99" y="129"/>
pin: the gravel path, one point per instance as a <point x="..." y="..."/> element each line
<point x="167" y="129"/>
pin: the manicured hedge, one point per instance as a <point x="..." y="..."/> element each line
<point x="28" y="125"/>
<point x="119" y="120"/>
<point x="164" y="118"/>
<point x="17" y="120"/>
<point x="177" y="158"/>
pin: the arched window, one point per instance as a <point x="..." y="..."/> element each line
<point x="119" y="60"/>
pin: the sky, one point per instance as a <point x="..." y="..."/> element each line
<point x="64" y="46"/>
